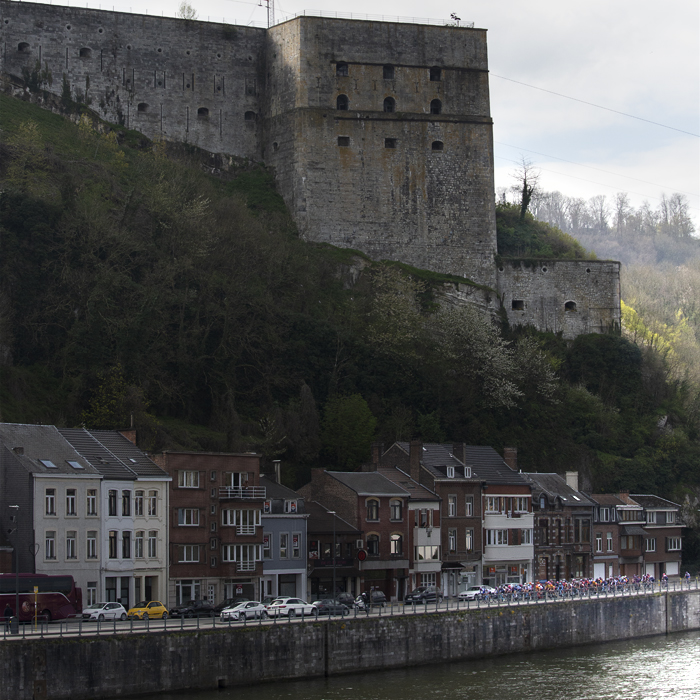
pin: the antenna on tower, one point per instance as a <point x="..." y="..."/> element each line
<point x="270" y="12"/>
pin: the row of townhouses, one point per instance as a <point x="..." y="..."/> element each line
<point x="179" y="526"/>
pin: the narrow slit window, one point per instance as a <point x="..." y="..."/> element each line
<point x="250" y="116"/>
<point x="342" y="103"/>
<point x="389" y="104"/>
<point x="436" y="107"/>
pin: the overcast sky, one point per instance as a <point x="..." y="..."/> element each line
<point x="640" y="57"/>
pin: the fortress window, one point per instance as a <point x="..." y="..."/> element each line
<point x="389" y="104"/>
<point x="436" y="107"/>
<point x="85" y="52"/>
<point x="249" y="116"/>
<point x="388" y="72"/>
<point x="99" y="31"/>
<point x="517" y="305"/>
<point x="570" y="306"/>
<point x="23" y="47"/>
<point x="389" y="143"/>
<point x="435" y="74"/>
<point x="203" y="113"/>
<point x="342" y="102"/>
<point x="341" y="69"/>
<point x="343" y="140"/>
<point x="438" y="145"/>
<point x="142" y="107"/>
<point x="250" y="87"/>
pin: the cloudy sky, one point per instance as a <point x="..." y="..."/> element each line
<point x="641" y="58"/>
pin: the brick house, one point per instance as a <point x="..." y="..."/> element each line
<point x="562" y="527"/>
<point x="606" y="535"/>
<point x="216" y="533"/>
<point x="663" y="540"/>
<point x="374" y="505"/>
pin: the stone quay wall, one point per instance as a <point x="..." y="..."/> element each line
<point x="118" y="665"/>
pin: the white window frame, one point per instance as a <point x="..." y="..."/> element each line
<point x="188" y="517"/>
<point x="674" y="544"/>
<point x="469" y="539"/>
<point x="526" y="536"/>
<point x="188" y="553"/>
<point x="152" y="544"/>
<point x="71" y="544"/>
<point x="50" y="501"/>
<point x="670" y="518"/>
<point x="296" y="548"/>
<point x="521" y="504"/>
<point x="396" y="544"/>
<point x="452" y="540"/>
<point x="609" y="542"/>
<point x="604" y="515"/>
<point x="91" y="544"/>
<point x="138" y="544"/>
<point x="599" y="542"/>
<point x="138" y="503"/>
<point x="651" y="544"/>
<point x="71" y="504"/>
<point x="450" y="472"/>
<point x="188" y="479"/>
<point x="284" y="545"/>
<point x="50" y="545"/>
<point x="497" y="538"/>
<point x="651" y="517"/>
<point x="452" y="506"/>
<point x="153" y="503"/>
<point x="469" y="506"/>
<point x="493" y="504"/>
<point x="91" y="502"/>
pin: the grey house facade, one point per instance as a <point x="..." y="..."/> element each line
<point x="284" y="541"/>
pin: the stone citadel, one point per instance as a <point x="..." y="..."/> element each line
<point x="379" y="133"/>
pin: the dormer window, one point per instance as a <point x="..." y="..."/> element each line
<point x="450" y="472"/>
<point x="543" y="503"/>
<point x="467" y="472"/>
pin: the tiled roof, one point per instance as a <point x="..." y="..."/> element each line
<point x="275" y="490"/>
<point x="404" y="481"/>
<point x="369" y="484"/>
<point x="42" y="442"/>
<point x="555" y="485"/>
<point x="486" y="464"/>
<point x="649" y="501"/>
<point x="605" y="499"/>
<point x="112" y="454"/>
<point x="321" y="521"/>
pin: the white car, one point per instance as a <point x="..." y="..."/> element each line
<point x="104" y="611"/>
<point x="474" y="592"/>
<point x="245" y="611"/>
<point x="291" y="607"/>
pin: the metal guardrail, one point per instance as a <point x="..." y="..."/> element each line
<point x="245" y="492"/>
<point x="81" y="628"/>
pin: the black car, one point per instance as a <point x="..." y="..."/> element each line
<point x="329" y="606"/>
<point x="375" y="599"/>
<point x="229" y="603"/>
<point x="195" y="608"/>
<point x="422" y="594"/>
<point x="346" y="599"/>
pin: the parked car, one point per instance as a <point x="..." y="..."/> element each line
<point x="346" y="599"/>
<point x="104" y="611"/>
<point x="329" y="606"/>
<point x="195" y="608"/>
<point x="229" y="603"/>
<point x="245" y="611"/>
<point x="378" y="600"/>
<point x="291" y="607"/>
<point x="422" y="595"/>
<point x="476" y="592"/>
<point x="268" y="600"/>
<point x="146" y="610"/>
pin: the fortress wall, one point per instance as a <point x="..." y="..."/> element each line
<point x="172" y="68"/>
<point x="535" y="292"/>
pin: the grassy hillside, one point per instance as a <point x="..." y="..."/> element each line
<point x="133" y="283"/>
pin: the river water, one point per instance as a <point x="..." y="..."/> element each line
<point x="647" y="669"/>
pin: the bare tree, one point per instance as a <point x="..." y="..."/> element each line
<point x="186" y="11"/>
<point x="527" y="177"/>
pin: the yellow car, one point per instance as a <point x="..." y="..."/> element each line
<point x="146" y="610"/>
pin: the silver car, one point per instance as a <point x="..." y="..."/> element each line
<point x="104" y="611"/>
<point x="245" y="611"/>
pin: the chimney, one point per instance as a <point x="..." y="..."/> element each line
<point x="130" y="435"/>
<point x="510" y="457"/>
<point x="415" y="455"/>
<point x="377" y="451"/>
<point x="277" y="465"/>
<point x="459" y="451"/>
<point x="572" y="480"/>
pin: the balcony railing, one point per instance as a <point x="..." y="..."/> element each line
<point x="245" y="529"/>
<point x="245" y="566"/>
<point x="246" y="492"/>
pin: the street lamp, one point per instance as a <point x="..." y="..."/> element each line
<point x="15" y="518"/>
<point x="332" y="512"/>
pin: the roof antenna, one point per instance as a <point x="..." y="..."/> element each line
<point x="270" y="13"/>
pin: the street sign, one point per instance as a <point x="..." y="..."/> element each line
<point x="361" y="554"/>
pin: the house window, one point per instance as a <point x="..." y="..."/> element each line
<point x="284" y="545"/>
<point x="496" y="537"/>
<point x="342" y="103"/>
<point x="235" y="480"/>
<point x="469" y="506"/>
<point x="436" y="107"/>
<point x="435" y="74"/>
<point x="389" y="104"/>
<point x="126" y="502"/>
<point x="212" y="526"/>
<point x="493" y="504"/>
<point x="244" y="553"/>
<point x="389" y="143"/>
<point x="651" y="517"/>
<point x="388" y="72"/>
<point x="71" y="548"/>
<point x="51" y="544"/>
<point x="372" y="509"/>
<point x="520" y="505"/>
<point x="605" y="515"/>
<point x="92" y="502"/>
<point x="188" y="479"/>
<point x="673" y="544"/>
<point x="70" y="502"/>
<point x="126" y="545"/>
<point x="290" y="506"/>
<point x="428" y="552"/>
<point x="188" y="553"/>
<point x="152" y="543"/>
<point x="92" y="544"/>
<point x="153" y="502"/>
<point x="469" y="539"/>
<point x="267" y="545"/>
<point x="452" y="540"/>
<point x="138" y="545"/>
<point x="341" y="70"/>
<point x="373" y="545"/>
<point x="296" y="545"/>
<point x="91" y="592"/>
<point x="526" y="537"/>
<point x="609" y="541"/>
<point x="452" y="506"/>
<point x="651" y="544"/>
<point x="188" y="516"/>
<point x="112" y="544"/>
<point x="138" y="503"/>
<point x="670" y="518"/>
<point x="450" y="472"/>
<point x="396" y="544"/>
<point x="543" y="503"/>
<point x="112" y="502"/>
<point x="598" y="541"/>
<point x="50" y="501"/>
<point x="396" y="509"/>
